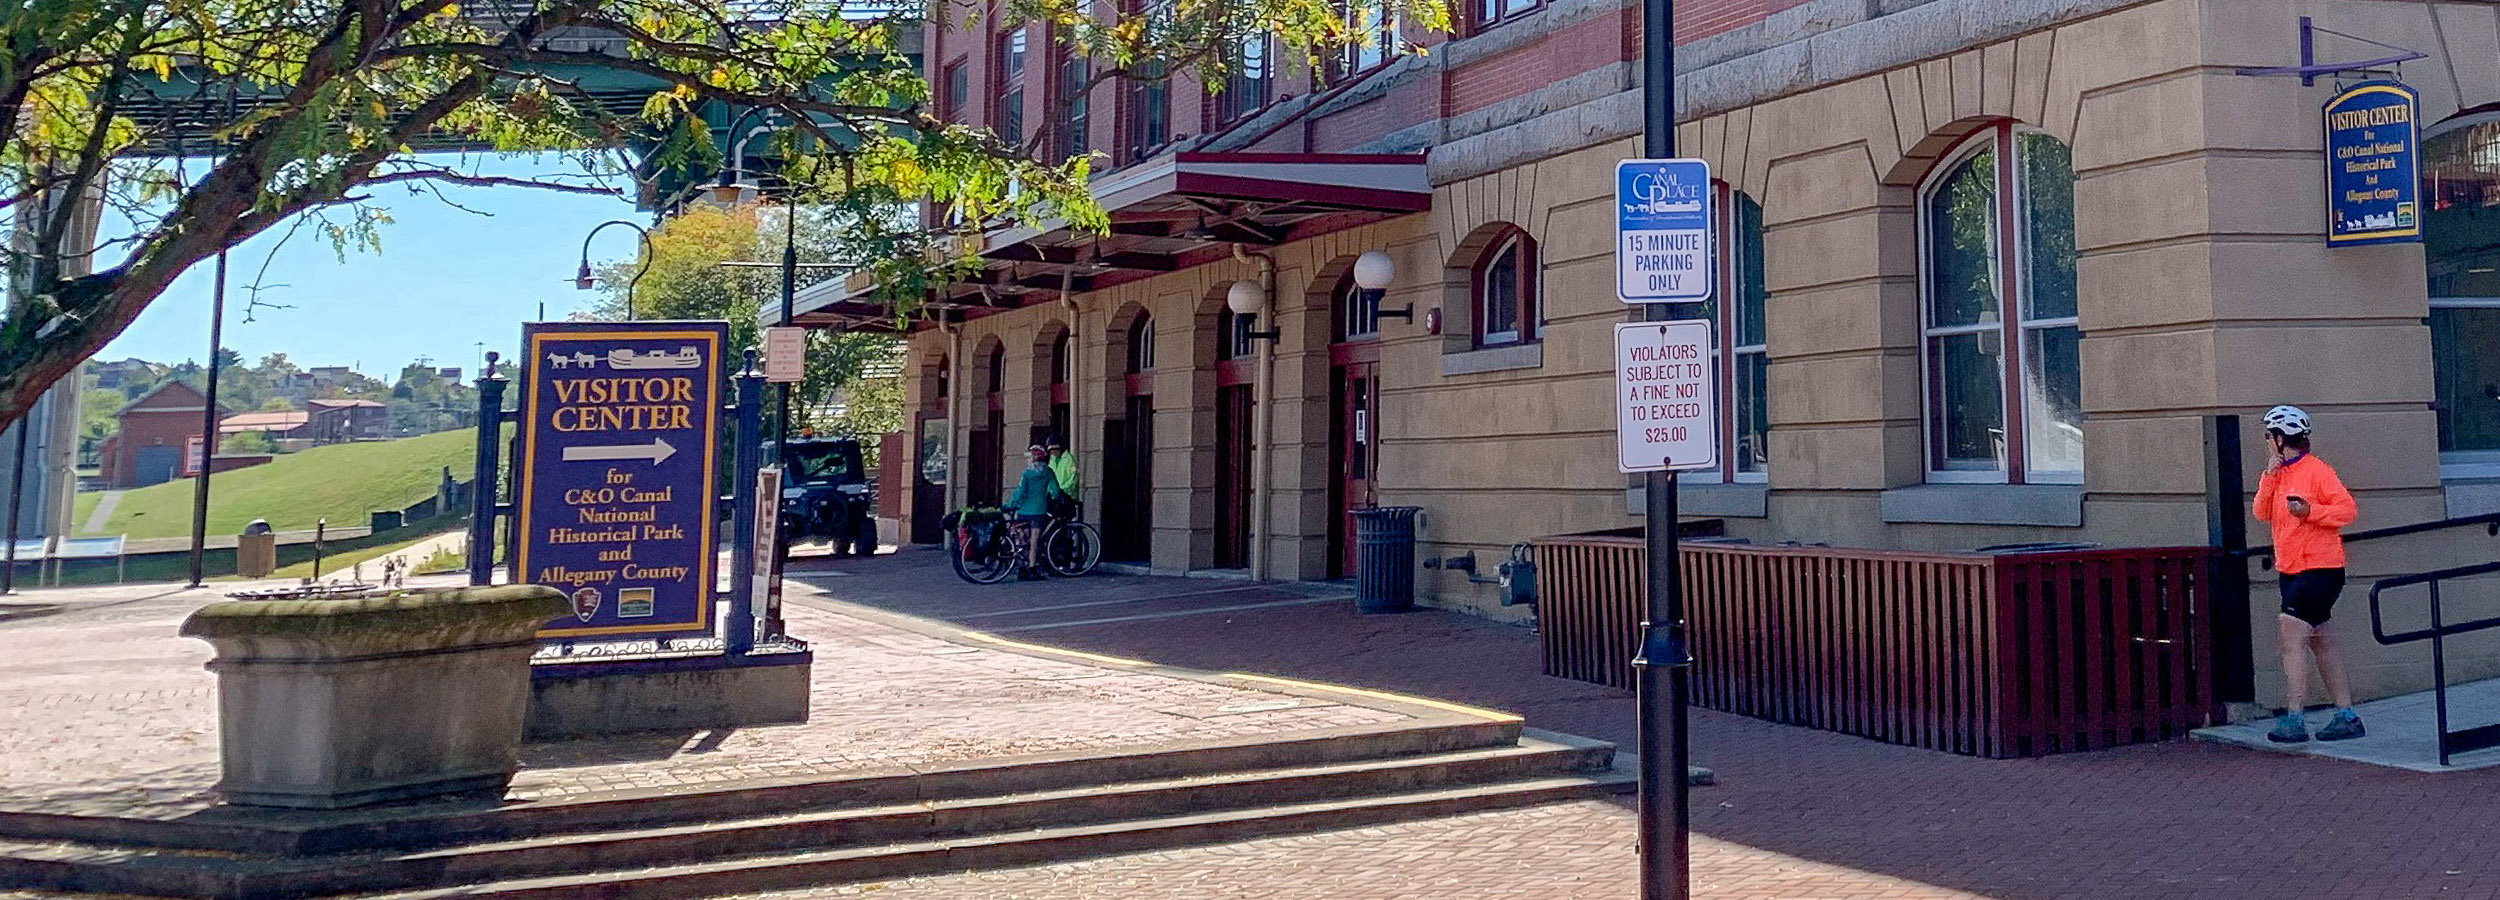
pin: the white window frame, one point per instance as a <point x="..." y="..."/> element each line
<point x="1730" y="316"/>
<point x="1522" y="304"/>
<point x="2013" y="298"/>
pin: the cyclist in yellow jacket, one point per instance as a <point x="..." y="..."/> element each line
<point x="2306" y="504"/>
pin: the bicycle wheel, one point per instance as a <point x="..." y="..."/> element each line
<point x="986" y="568"/>
<point x="1071" y="549"/>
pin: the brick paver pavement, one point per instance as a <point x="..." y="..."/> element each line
<point x="2174" y="820"/>
<point x="105" y="710"/>
<point x="1566" y="851"/>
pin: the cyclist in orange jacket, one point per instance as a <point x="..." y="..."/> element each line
<point x="2301" y="498"/>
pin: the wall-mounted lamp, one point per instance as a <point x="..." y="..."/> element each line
<point x="1247" y="299"/>
<point x="1373" y="273"/>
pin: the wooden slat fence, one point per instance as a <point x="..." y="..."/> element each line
<point x="1983" y="655"/>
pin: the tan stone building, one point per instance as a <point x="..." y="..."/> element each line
<point x="1989" y="265"/>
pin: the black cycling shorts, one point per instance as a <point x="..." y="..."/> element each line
<point x="2310" y="596"/>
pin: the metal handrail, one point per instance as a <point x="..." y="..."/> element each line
<point x="2450" y="742"/>
<point x="2489" y="521"/>
<point x="2378" y="627"/>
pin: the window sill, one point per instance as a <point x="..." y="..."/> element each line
<point x="2048" y="505"/>
<point x="2472" y="496"/>
<point x="1742" y="500"/>
<point x="1494" y="359"/>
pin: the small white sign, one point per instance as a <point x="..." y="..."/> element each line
<point x="1664" y="246"/>
<point x="1666" y="402"/>
<point x="785" y="354"/>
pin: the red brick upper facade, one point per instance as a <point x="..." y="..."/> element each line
<point x="1017" y="81"/>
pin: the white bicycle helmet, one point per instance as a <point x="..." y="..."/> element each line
<point x="2287" y="420"/>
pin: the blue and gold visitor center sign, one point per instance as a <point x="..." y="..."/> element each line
<point x="619" y="428"/>
<point x="2373" y="181"/>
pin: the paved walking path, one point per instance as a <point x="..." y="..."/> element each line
<point x="1795" y="813"/>
<point x="103" y="511"/>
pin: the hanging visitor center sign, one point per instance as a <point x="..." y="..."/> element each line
<point x="618" y="445"/>
<point x="1666" y="403"/>
<point x="1664" y="245"/>
<point x="2373" y="175"/>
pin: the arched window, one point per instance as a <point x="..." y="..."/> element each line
<point x="1232" y="336"/>
<point x="1998" y="233"/>
<point x="996" y="369"/>
<point x="2461" y="244"/>
<point x="1358" y="316"/>
<point x="1141" y="345"/>
<point x="1059" y="359"/>
<point x="1506" y="292"/>
<point x="945" y="378"/>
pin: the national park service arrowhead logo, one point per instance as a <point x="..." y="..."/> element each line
<point x="586" y="603"/>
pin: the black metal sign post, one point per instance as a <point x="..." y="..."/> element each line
<point x="1663" y="683"/>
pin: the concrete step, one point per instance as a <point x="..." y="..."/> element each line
<point x="802" y="869"/>
<point x="460" y="822"/>
<point x="891" y="829"/>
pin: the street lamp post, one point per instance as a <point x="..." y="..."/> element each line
<point x="209" y="433"/>
<point x="584" y="280"/>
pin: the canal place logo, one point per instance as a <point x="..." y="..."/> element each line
<point x="617" y="463"/>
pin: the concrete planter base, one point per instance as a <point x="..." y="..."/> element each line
<point x="587" y="699"/>
<point x="326" y="704"/>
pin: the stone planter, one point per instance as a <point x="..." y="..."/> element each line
<point x="324" y="704"/>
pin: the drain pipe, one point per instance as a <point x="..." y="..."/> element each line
<point x="1263" y="418"/>
<point x="955" y="490"/>
<point x="1076" y="370"/>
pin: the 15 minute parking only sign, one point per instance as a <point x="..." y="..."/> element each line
<point x="1663" y="241"/>
<point x="1666" y="405"/>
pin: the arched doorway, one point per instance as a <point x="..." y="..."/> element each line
<point x="1128" y="443"/>
<point x="1353" y="362"/>
<point x="928" y="481"/>
<point x="985" y="473"/>
<point x="1235" y="400"/>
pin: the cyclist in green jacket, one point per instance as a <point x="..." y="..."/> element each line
<point x="1063" y="468"/>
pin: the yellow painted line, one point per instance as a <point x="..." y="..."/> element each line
<point x="1055" y="651"/>
<point x="1494" y="715"/>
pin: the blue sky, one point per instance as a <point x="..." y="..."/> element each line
<point x="445" y="280"/>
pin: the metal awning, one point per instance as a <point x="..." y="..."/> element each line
<point x="1167" y="215"/>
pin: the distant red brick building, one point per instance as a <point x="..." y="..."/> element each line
<point x="147" y="447"/>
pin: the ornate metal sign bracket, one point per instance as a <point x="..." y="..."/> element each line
<point x="2310" y="69"/>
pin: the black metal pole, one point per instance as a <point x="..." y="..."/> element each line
<point x="1663" y="675"/>
<point x="483" y="492"/>
<point x="321" y="535"/>
<point x="749" y="458"/>
<point x="789" y="304"/>
<point x="2234" y="642"/>
<point x="17" y="499"/>
<point x="208" y="426"/>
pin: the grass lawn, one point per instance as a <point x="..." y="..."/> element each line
<point x="344" y="482"/>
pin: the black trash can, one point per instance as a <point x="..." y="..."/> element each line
<point x="1384" y="565"/>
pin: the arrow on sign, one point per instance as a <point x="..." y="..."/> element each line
<point x="658" y="451"/>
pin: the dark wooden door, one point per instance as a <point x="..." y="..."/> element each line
<point x="928" y="496"/>
<point x="986" y="469"/>
<point x="1128" y="483"/>
<point x="1232" y="476"/>
<point x="1354" y="430"/>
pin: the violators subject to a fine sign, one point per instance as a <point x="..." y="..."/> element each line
<point x="1666" y="402"/>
